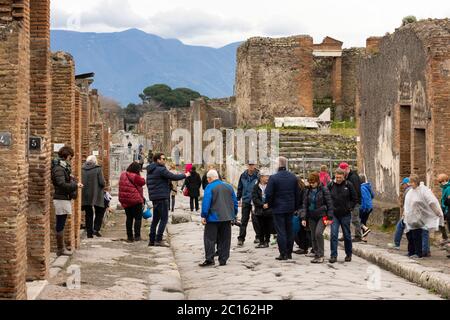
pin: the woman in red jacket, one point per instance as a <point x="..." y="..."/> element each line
<point x="131" y="197"/>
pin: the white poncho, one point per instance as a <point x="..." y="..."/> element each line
<point x="422" y="209"/>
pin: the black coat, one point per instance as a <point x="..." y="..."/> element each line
<point x="259" y="203"/>
<point x="65" y="187"/>
<point x="344" y="198"/>
<point x="94" y="185"/>
<point x="282" y="192"/>
<point x="324" y="204"/>
<point x="158" y="181"/>
<point x="193" y="183"/>
<point x="353" y="177"/>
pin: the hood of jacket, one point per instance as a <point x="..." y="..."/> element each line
<point x="90" y="166"/>
<point x="152" y="167"/>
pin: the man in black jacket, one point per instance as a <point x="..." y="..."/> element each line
<point x="344" y="198"/>
<point x="159" y="188"/>
<point x="66" y="188"/>
<point x="353" y="177"/>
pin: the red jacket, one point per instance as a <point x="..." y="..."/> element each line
<point x="131" y="192"/>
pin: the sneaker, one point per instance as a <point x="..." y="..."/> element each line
<point x="207" y="264"/>
<point x="356" y="240"/>
<point x="161" y="244"/>
<point x="414" y="256"/>
<point x="300" y="251"/>
<point x="281" y="257"/>
<point x="318" y="260"/>
<point x="348" y="259"/>
<point x="393" y="246"/>
<point x="240" y="243"/>
<point x="97" y="234"/>
<point x="311" y="255"/>
<point x="366" y="232"/>
<point x="260" y="246"/>
<point x="332" y="260"/>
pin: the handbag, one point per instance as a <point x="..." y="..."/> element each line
<point x="146" y="212"/>
<point x="186" y="192"/>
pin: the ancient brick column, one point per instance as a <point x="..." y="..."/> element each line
<point x="336" y="80"/>
<point x="39" y="185"/>
<point x="106" y="154"/>
<point x="63" y="124"/>
<point x="78" y="162"/>
<point x="14" y="108"/>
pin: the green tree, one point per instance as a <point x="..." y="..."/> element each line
<point x="408" y="19"/>
<point x="177" y="98"/>
<point x="156" y="92"/>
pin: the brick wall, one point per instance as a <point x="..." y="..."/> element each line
<point x="274" y="78"/>
<point x="77" y="162"/>
<point x="14" y="108"/>
<point x="63" y="125"/>
<point x="39" y="186"/>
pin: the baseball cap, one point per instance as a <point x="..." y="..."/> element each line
<point x="251" y="162"/>
<point x="405" y="181"/>
<point x="344" y="166"/>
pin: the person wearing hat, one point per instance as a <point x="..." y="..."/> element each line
<point x="353" y="177"/>
<point x="400" y="227"/>
<point x="247" y="181"/>
<point x="262" y="214"/>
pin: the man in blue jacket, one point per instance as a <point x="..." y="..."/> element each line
<point x="282" y="194"/>
<point x="246" y="184"/>
<point x="159" y="188"/>
<point x="219" y="209"/>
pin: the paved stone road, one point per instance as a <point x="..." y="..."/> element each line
<point x="255" y="274"/>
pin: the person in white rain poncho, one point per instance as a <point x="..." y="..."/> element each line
<point x="422" y="212"/>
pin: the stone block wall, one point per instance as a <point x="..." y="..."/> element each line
<point x="15" y="110"/>
<point x="274" y="78"/>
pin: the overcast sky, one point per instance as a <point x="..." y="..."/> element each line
<point x="217" y="23"/>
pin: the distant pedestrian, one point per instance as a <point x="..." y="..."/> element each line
<point x="93" y="196"/>
<point x="324" y="176"/>
<point x="193" y="184"/>
<point x="219" y="210"/>
<point x="65" y="190"/>
<point x="150" y="156"/>
<point x="247" y="181"/>
<point x="176" y="155"/>
<point x="264" y="215"/>
<point x="318" y="211"/>
<point x="444" y="182"/>
<point x="344" y="198"/>
<point x="422" y="212"/>
<point x="131" y="197"/>
<point x="400" y="227"/>
<point x="158" y="184"/>
<point x="353" y="177"/>
<point x="366" y="208"/>
<point x="173" y="187"/>
<point x="281" y="196"/>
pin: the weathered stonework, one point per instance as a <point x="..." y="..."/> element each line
<point x="403" y="105"/>
<point x="274" y="78"/>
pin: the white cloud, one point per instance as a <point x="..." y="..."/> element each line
<point x="217" y="23"/>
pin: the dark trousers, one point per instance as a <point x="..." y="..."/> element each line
<point x="303" y="238"/>
<point x="343" y="222"/>
<point x="91" y="223"/>
<point x="192" y="201"/>
<point x="364" y="215"/>
<point x="172" y="203"/>
<point x="265" y="224"/>
<point x="285" y="233"/>
<point x="246" y="211"/>
<point x="414" y="242"/>
<point x="60" y="222"/>
<point x="317" y="228"/>
<point x="160" y="218"/>
<point x="134" y="214"/>
<point x="220" y="233"/>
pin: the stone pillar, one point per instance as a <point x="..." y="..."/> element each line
<point x="305" y="77"/>
<point x="39" y="185"/>
<point x="15" y="109"/>
<point x="63" y="125"/>
<point x="85" y="119"/>
<point x="106" y="155"/>
<point x="336" y="80"/>
<point x="77" y="163"/>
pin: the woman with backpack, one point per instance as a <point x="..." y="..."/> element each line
<point x="318" y="211"/>
<point x="131" y="197"/>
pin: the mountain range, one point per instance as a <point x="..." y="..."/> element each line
<point x="126" y="62"/>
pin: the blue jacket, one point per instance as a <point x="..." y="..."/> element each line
<point x="158" y="181"/>
<point x="282" y="192"/>
<point x="219" y="202"/>
<point x="366" y="196"/>
<point x="245" y="186"/>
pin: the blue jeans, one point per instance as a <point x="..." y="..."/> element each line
<point x="425" y="242"/>
<point x="160" y="216"/>
<point x="285" y="232"/>
<point x="399" y="229"/>
<point x="344" y="223"/>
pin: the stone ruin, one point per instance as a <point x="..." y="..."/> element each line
<point x="43" y="106"/>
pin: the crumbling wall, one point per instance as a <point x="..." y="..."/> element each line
<point x="274" y="78"/>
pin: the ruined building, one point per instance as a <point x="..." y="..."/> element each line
<point x="403" y="109"/>
<point x="42" y="109"/>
